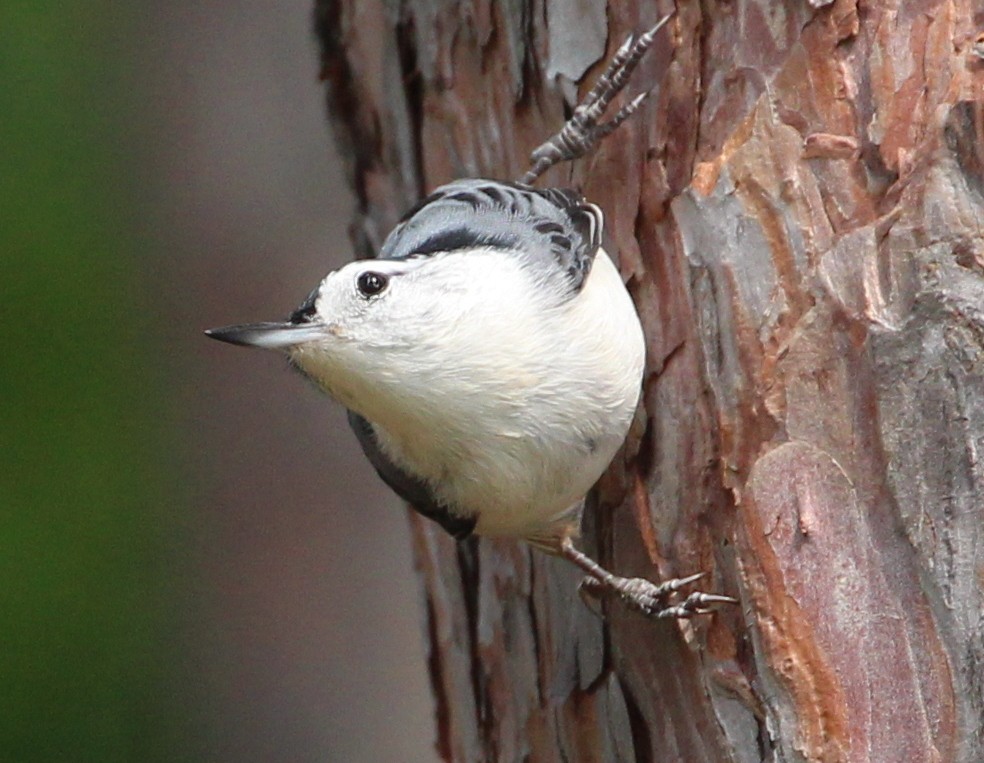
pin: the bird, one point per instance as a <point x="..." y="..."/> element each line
<point x="490" y="357"/>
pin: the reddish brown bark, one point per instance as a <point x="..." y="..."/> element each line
<point x="798" y="214"/>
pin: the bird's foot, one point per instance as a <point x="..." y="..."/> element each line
<point x="584" y="130"/>
<point x="657" y="600"/>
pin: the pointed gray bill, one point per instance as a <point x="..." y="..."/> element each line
<point x="269" y="336"/>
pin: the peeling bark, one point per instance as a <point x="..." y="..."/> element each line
<point x="799" y="214"/>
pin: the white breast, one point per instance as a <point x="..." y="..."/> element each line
<point x="529" y="404"/>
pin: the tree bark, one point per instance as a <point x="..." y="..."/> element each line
<point x="798" y="213"/>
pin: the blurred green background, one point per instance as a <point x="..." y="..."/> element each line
<point x="195" y="563"/>
<point x="88" y="548"/>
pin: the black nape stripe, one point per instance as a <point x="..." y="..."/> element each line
<point x="457" y="239"/>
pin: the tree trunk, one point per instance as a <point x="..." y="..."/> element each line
<point x="798" y="214"/>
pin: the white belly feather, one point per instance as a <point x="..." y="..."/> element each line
<point x="520" y="429"/>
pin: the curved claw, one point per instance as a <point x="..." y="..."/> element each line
<point x="677" y="583"/>
<point x="582" y="132"/>
<point x="659" y="25"/>
<point x="651" y="599"/>
<point x="707" y="599"/>
<point x="698" y="603"/>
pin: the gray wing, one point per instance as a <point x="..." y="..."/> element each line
<point x="409" y="488"/>
<point x="554" y="230"/>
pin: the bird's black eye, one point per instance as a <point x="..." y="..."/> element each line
<point x="370" y="284"/>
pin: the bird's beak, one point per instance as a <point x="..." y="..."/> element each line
<point x="269" y="336"/>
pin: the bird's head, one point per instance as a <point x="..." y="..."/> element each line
<point x="467" y="300"/>
<point x="378" y="328"/>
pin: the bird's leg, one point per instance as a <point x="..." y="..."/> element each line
<point x="651" y="599"/>
<point x="583" y="130"/>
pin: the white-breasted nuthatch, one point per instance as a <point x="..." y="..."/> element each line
<point x="490" y="358"/>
